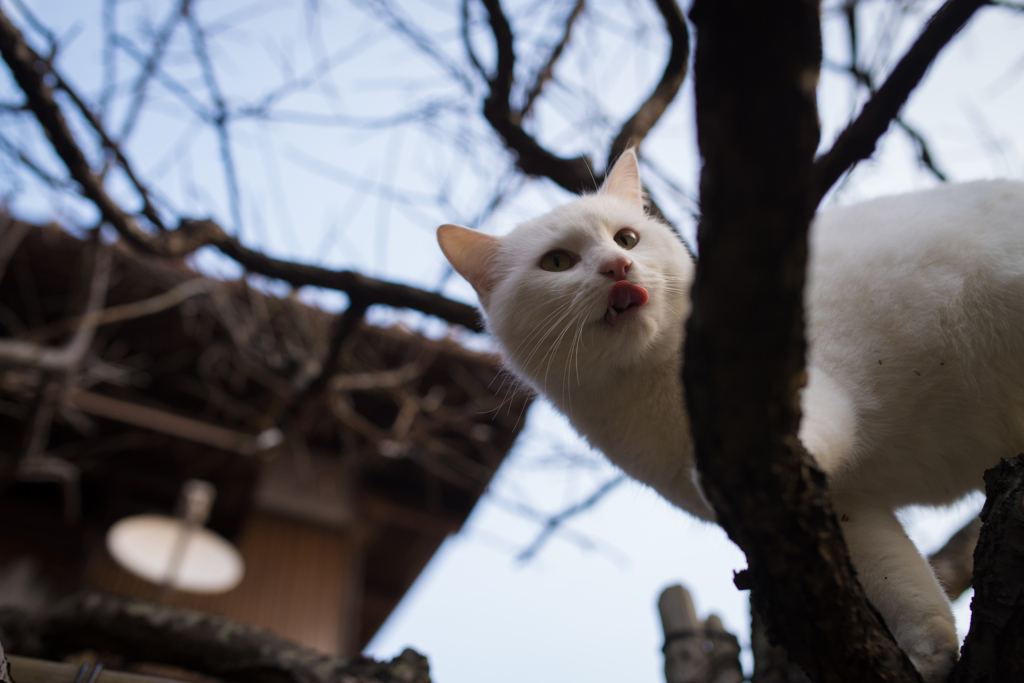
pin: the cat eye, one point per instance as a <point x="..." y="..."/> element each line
<point x="556" y="261"/>
<point x="626" y="238"/>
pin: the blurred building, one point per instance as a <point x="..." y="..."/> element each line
<point x="336" y="487"/>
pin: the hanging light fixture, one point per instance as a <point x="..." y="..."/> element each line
<point x="178" y="552"/>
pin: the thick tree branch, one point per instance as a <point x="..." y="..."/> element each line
<point x="954" y="568"/>
<point x="756" y="72"/>
<point x="858" y="141"/>
<point x="575" y="174"/>
<point x="646" y="117"/>
<point x="572" y="174"/>
<point x="205" y="643"/>
<point x="994" y="648"/>
<point x="29" y="71"/>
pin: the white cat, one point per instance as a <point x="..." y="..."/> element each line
<point x="915" y="308"/>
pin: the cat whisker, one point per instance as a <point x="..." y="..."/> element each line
<point x="542" y="339"/>
<point x="538" y="328"/>
<point x="550" y="355"/>
<point x="567" y="380"/>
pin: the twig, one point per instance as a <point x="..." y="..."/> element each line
<point x="580" y="540"/>
<point x="65" y="358"/>
<point x="646" y="117"/>
<point x="548" y="69"/>
<point x="183" y="93"/>
<point x="29" y="70"/>
<point x="38" y="26"/>
<point x="109" y="15"/>
<point x="148" y="210"/>
<point x="37" y="435"/>
<point x="552" y="524"/>
<point x="858" y="141"/>
<point x="25" y="160"/>
<point x="924" y="154"/>
<point x="84" y="333"/>
<point x="467" y="41"/>
<point x="220" y="118"/>
<point x="150" y="66"/>
<point x="376" y="381"/>
<point x="135" y="309"/>
<point x="420" y="41"/>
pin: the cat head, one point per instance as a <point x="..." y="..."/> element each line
<point x="590" y="287"/>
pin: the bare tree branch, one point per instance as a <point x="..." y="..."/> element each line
<point x="467" y="42"/>
<point x="575" y="174"/>
<point x="109" y="20"/>
<point x="858" y="141"/>
<point x="70" y="355"/>
<point x="646" y="117"/>
<point x="572" y="174"/>
<point x="150" y="66"/>
<point x="191" y="234"/>
<point x="220" y="118"/>
<point x="547" y="71"/>
<point x="552" y="523"/>
<point x="924" y="154"/>
<point x="148" y="210"/>
<point x="131" y="311"/>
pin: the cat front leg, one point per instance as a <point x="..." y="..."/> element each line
<point x="900" y="584"/>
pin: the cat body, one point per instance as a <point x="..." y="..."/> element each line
<point x="915" y="327"/>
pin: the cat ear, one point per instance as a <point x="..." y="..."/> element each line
<point x="471" y="254"/>
<point x="623" y="181"/>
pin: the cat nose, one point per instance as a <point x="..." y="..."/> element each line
<point x="616" y="267"/>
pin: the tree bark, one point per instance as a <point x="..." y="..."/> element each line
<point x="994" y="649"/>
<point x="142" y="631"/>
<point x="756" y="73"/>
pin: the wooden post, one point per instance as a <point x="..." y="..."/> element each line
<point x="695" y="651"/>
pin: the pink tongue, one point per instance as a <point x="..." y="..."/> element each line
<point x="625" y="294"/>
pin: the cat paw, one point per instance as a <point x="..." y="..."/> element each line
<point x="933" y="648"/>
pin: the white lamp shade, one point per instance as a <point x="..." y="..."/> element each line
<point x="144" y="544"/>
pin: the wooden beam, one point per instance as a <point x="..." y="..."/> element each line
<point x="185" y="428"/>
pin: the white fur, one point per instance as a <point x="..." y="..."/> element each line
<point x="916" y="361"/>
